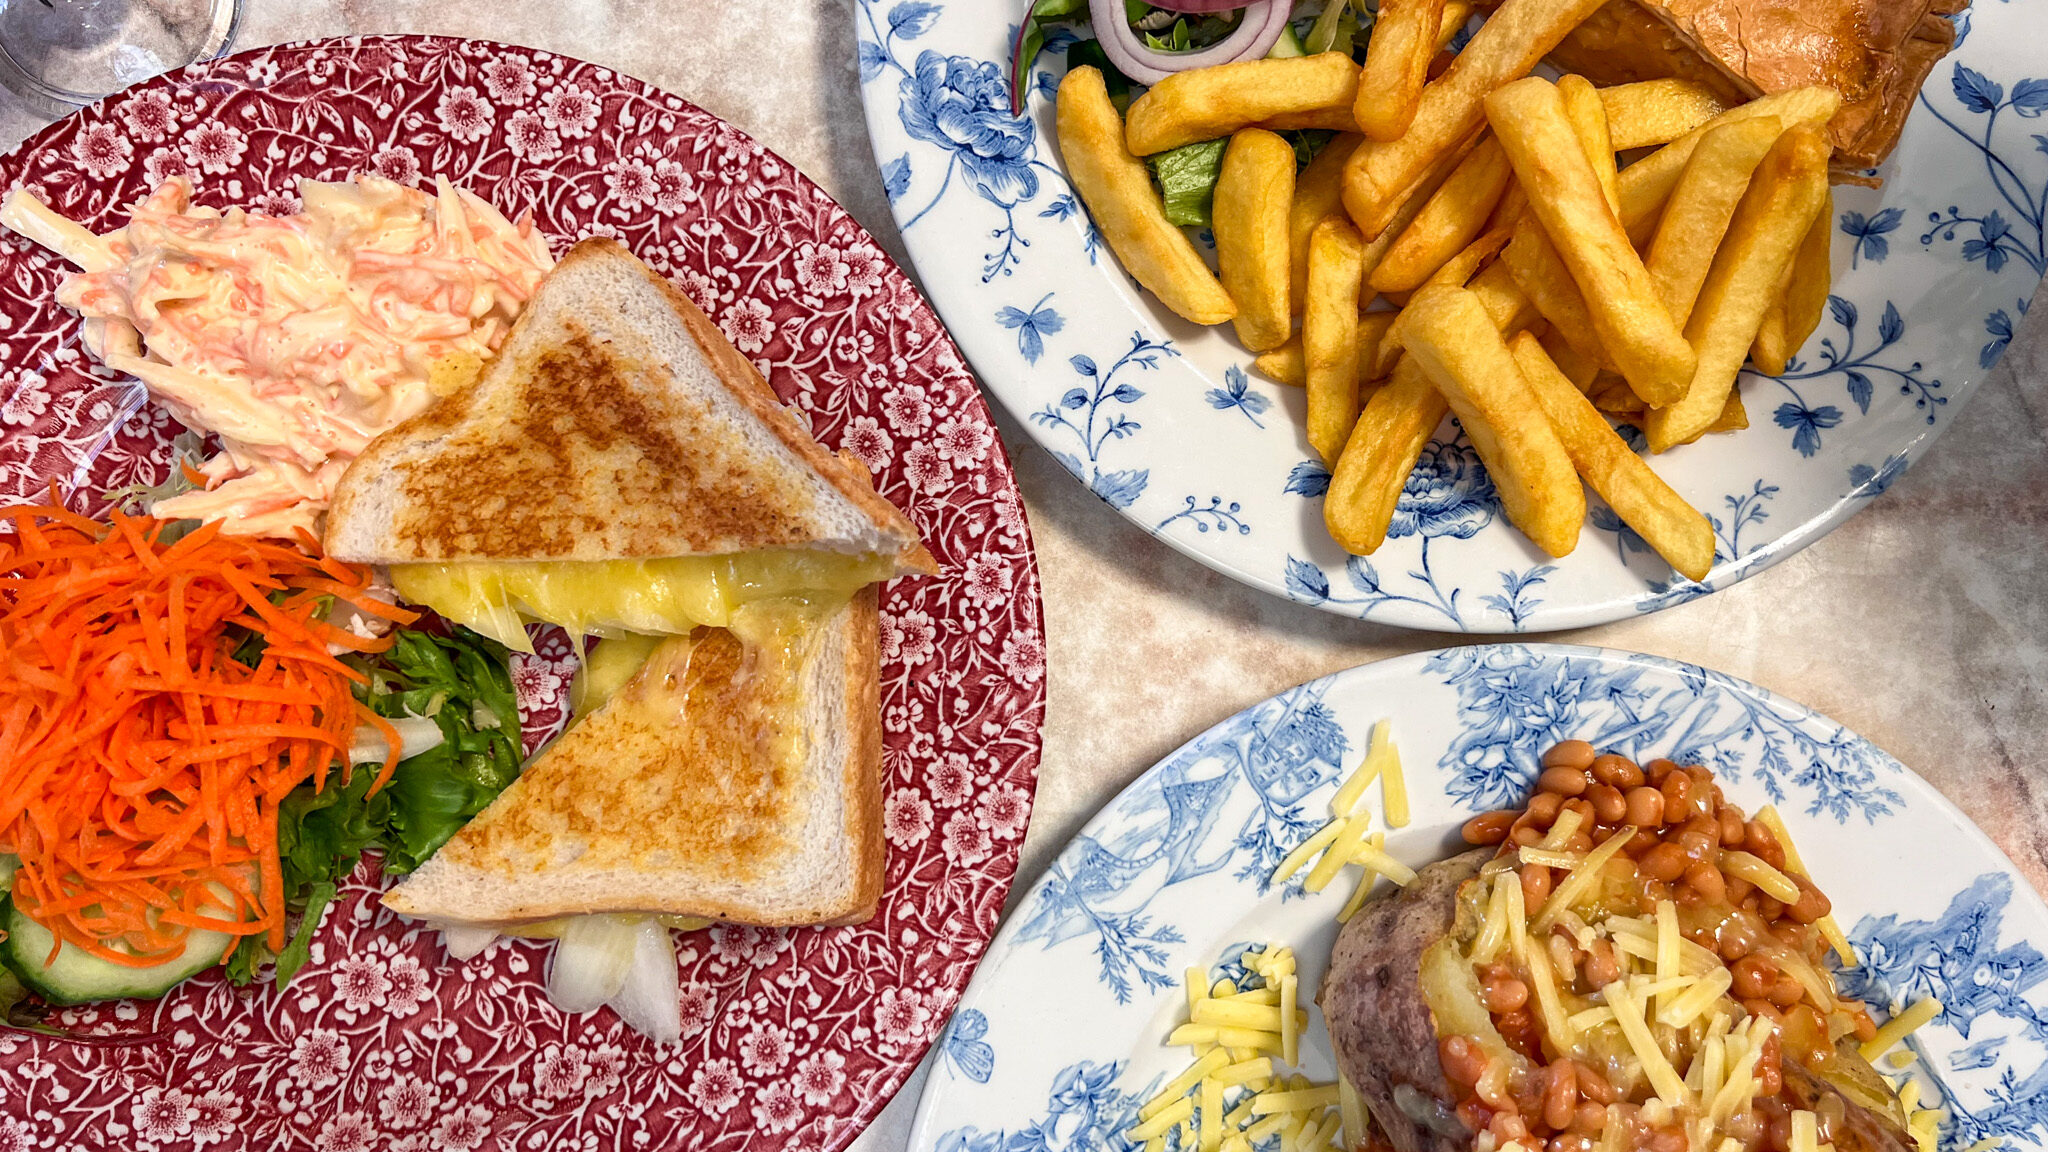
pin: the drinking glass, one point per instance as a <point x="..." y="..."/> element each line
<point x="66" y="53"/>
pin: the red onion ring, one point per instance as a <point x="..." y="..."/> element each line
<point x="1256" y="34"/>
<point x="1203" y="7"/>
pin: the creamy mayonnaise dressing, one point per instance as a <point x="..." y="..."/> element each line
<point x="297" y="339"/>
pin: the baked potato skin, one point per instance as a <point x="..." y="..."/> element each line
<point x="1380" y="1022"/>
<point x="1385" y="1034"/>
<point x="1861" y="1129"/>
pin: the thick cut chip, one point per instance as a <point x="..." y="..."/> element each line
<point x="1649" y="113"/>
<point x="1382" y="450"/>
<point x="1449" y="332"/>
<point x="1253" y="194"/>
<point x="1515" y="36"/>
<point x="1635" y="328"/>
<point x="1696" y="217"/>
<point x="1318" y="192"/>
<point x="1118" y="192"/>
<point x="1788" y="189"/>
<point x="1677" y="530"/>
<point x="1329" y="334"/>
<point x="1448" y="221"/>
<point x="1796" y="312"/>
<point x="1211" y="103"/>
<point x="1396" y="65"/>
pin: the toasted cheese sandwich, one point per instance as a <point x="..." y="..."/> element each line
<point x="618" y="467"/>
<point x="621" y="470"/>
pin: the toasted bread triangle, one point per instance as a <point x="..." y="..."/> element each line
<point x="664" y="800"/>
<point x="617" y="422"/>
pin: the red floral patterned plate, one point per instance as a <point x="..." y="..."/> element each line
<point x="792" y="1039"/>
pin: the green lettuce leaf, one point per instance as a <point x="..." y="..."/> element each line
<point x="1187" y="180"/>
<point x="463" y="682"/>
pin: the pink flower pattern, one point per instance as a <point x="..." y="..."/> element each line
<point x="382" y="1041"/>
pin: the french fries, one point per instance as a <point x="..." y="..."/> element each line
<point x="1286" y="364"/>
<point x="1503" y="299"/>
<point x="1448" y="331"/>
<point x="1564" y="195"/>
<point x="1506" y="303"/>
<point x="1448" y="221"/>
<point x="1329" y="334"/>
<point x="1210" y="103"/>
<point x="1576" y="368"/>
<point x="1318" y="191"/>
<point x="1378" y="456"/>
<point x="1480" y="202"/>
<point x="1588" y="118"/>
<point x="1675" y="529"/>
<point x="1648" y="182"/>
<point x="1734" y="417"/>
<point x="1249" y="220"/>
<point x="1396" y="66"/>
<point x="1344" y="117"/>
<point x="1517" y="35"/>
<point x="1795" y="313"/>
<point x="1542" y="276"/>
<point x="1696" y="216"/>
<point x="1784" y="195"/>
<point x="1653" y="112"/>
<point x="1118" y="192"/>
<point x="1453" y="273"/>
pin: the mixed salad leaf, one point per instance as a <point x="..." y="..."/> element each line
<point x="462" y="682"/>
<point x="1187" y="175"/>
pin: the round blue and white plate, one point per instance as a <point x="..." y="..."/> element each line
<point x="1059" y="1037"/>
<point x="1163" y="420"/>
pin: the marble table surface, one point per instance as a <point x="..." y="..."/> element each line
<point x="1921" y="623"/>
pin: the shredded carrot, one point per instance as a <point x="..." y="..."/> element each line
<point x="141" y="763"/>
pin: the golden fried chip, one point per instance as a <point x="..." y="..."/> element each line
<point x="1676" y="530"/>
<point x="1784" y="195"/>
<point x="1117" y="190"/>
<point x="1249" y="220"/>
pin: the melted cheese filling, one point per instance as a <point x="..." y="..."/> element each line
<point x="618" y="597"/>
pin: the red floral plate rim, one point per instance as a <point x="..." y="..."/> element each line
<point x="793" y="1039"/>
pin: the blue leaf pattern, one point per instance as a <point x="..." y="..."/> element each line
<point x="1866" y="482"/>
<point x="1308" y="478"/>
<point x="1999" y="326"/>
<point x="1306" y="581"/>
<point x="896" y="178"/>
<point x="1236" y="394"/>
<point x="1974" y="91"/>
<point x="872" y="61"/>
<point x="1869" y="234"/>
<point x="912" y="18"/>
<point x="1033" y="325"/>
<point x="1806" y="424"/>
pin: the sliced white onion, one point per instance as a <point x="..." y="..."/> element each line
<point x="1255" y="34"/>
<point x="416" y="734"/>
<point x="463" y="940"/>
<point x="591" y="960"/>
<point x="649" y="1001"/>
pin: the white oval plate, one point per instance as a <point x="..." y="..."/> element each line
<point x="1163" y="420"/>
<point x="1059" y="1037"/>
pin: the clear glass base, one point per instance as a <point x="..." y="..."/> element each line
<point x="72" y="52"/>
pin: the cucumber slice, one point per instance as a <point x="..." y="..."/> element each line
<point x="78" y="977"/>
<point x="1287" y="45"/>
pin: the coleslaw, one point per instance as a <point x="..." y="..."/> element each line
<point x="295" y="339"/>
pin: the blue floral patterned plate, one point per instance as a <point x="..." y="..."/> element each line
<point x="1161" y="419"/>
<point x="1059" y="1037"/>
